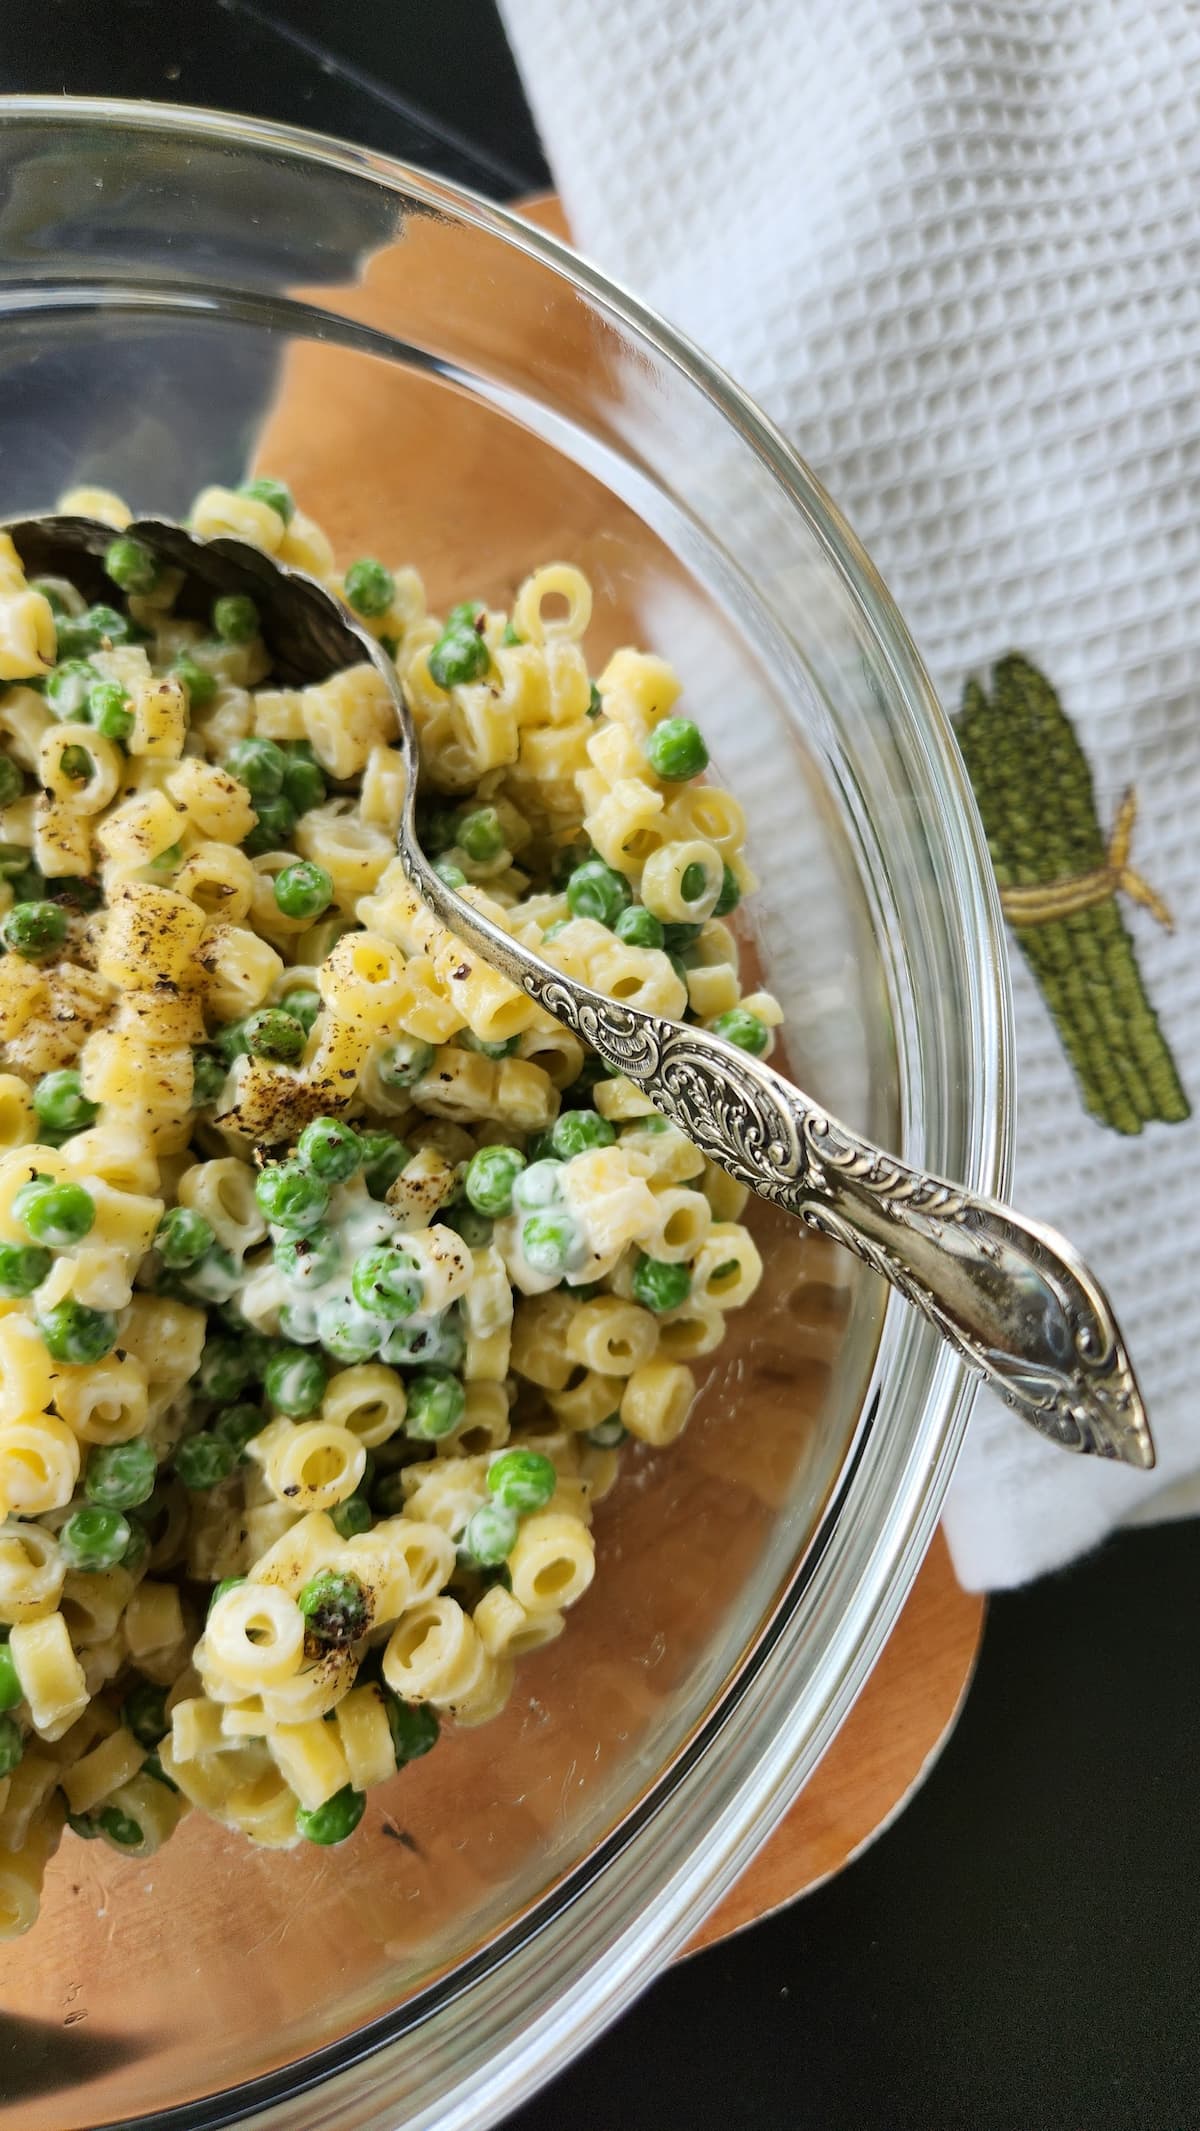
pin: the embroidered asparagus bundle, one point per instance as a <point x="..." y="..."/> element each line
<point x="1058" y="883"/>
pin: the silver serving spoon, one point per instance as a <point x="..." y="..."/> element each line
<point x="1011" y="1297"/>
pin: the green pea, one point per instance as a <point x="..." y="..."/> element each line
<point x="329" y="1149"/>
<point x="348" y="1333"/>
<point x="275" y="1035"/>
<point x="51" y="593"/>
<point x="334" y="1604"/>
<point x="335" y="1820"/>
<point x="639" y="927"/>
<point x="120" y="1828"/>
<point x="677" y="938"/>
<point x="60" y="1103"/>
<point x="294" y="1381"/>
<point x="675" y="750"/>
<point x="311" y="1260"/>
<point x="258" y="764"/>
<point x="130" y="565"/>
<point x="275" y="494"/>
<point x="12" y="1745"/>
<point x="595" y="704"/>
<point x="459" y="655"/>
<point x="436" y="1404"/>
<point x="468" y="1041"/>
<point x="34" y="930"/>
<point x="352" y="1516"/>
<point x="291" y="1196"/>
<point x="388" y="1496"/>
<point x="511" y="635"/>
<point x="730" y="896"/>
<point x="490" y="1534"/>
<point x="304" y="784"/>
<point x="230" y="1041"/>
<point x="11" y="1690"/>
<point x="204" y="1460"/>
<point x="694" y="882"/>
<point x="55" y="1214"/>
<point x="83" y="1825"/>
<point x="169" y="860"/>
<point x="23" y="1267"/>
<point x="575" y="1131"/>
<point x="405" y="1062"/>
<point x="438" y="1341"/>
<point x="609" y="1433"/>
<point x="144" y="1713"/>
<point x="76" y="765"/>
<point x="567" y="861"/>
<point x="549" y="1241"/>
<point x="597" y="891"/>
<point x="384" y="1157"/>
<point x="201" y="685"/>
<point x="182" y="1237"/>
<point x="138" y="1548"/>
<point x="275" y="823"/>
<point x="437" y="831"/>
<point x="538" y="1186"/>
<point x="522" y="1479"/>
<point x="235" y="618"/>
<point x="97" y="628"/>
<point x="414" y="1727"/>
<point x="93" y="1538"/>
<point x="239" y="1425"/>
<point x="209" y="1074"/>
<point x="213" y="1279"/>
<point x="152" y="1766"/>
<point x="219" y="1590"/>
<point x="304" y="1006"/>
<point x="474" y="1228"/>
<point x="27" y="885"/>
<point x="449" y="874"/>
<point x="387" y="1281"/>
<point x="491" y="1174"/>
<point x="480" y="835"/>
<point x="745" y="1029"/>
<point x="73" y="1333"/>
<point x="110" y="710"/>
<point x="12" y="784"/>
<point x="303" y="890"/>
<point x="658" y="1286"/>
<point x="120" y="1475"/>
<point x="370" y="589"/>
<point x="226" y="1367"/>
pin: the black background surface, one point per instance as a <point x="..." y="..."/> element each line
<point x="1018" y="1953"/>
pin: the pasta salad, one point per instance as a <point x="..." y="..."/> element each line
<point x="334" y="1274"/>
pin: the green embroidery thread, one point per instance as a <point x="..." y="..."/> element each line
<point x="1059" y="881"/>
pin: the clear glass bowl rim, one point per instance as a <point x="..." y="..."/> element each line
<point x="561" y="2016"/>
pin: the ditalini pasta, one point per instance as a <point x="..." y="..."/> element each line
<point x="333" y="1273"/>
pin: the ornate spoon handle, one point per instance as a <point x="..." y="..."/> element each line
<point x="1010" y="1296"/>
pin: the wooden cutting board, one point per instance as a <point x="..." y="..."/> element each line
<point x="913" y="1697"/>
<point x="900" y="1722"/>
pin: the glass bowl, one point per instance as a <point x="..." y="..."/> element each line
<point x="183" y="294"/>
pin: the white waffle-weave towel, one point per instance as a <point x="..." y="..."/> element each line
<point x="953" y="247"/>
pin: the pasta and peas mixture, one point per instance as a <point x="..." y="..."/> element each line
<point x="333" y="1273"/>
